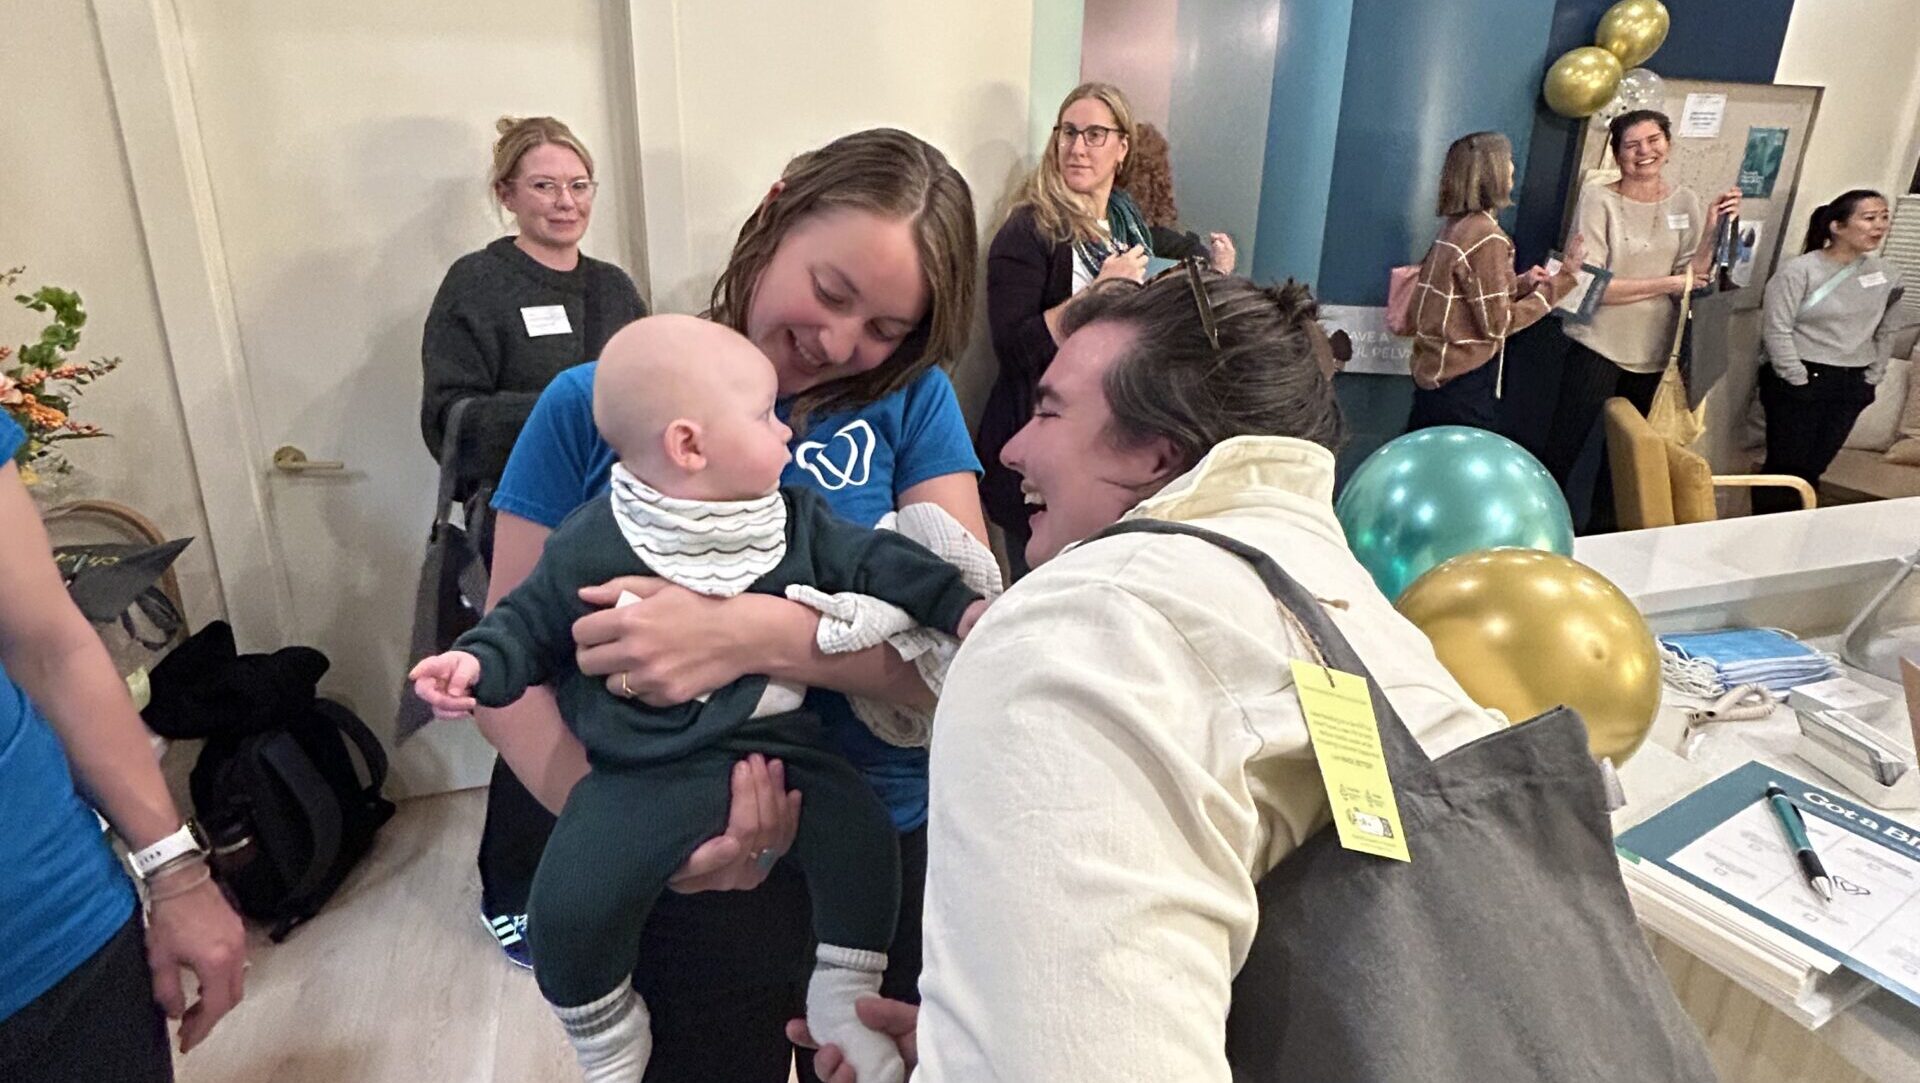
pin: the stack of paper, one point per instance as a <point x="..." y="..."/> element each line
<point x="1714" y="872"/>
<point x="1762" y="656"/>
<point x="1805" y="984"/>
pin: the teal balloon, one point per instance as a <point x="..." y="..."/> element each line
<point x="1436" y="493"/>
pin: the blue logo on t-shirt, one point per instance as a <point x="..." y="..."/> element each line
<point x="845" y="458"/>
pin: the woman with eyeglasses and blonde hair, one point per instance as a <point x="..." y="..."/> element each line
<point x="512" y="316"/>
<point x="1072" y="225"/>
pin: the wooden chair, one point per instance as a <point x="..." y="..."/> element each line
<point x="1656" y="482"/>
<point x="83" y="522"/>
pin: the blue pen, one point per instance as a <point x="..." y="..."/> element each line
<point x="1796" y="829"/>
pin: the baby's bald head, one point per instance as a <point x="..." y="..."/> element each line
<point x="662" y="369"/>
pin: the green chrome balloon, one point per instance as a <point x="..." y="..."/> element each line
<point x="1436" y="493"/>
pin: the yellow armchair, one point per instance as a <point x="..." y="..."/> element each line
<point x="1659" y="483"/>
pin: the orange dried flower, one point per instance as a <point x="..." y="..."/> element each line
<point x="43" y="417"/>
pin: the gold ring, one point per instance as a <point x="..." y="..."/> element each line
<point x="624" y="690"/>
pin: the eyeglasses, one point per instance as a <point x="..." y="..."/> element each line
<point x="1095" y="134"/>
<point x="549" y="190"/>
<point x="1201" y="301"/>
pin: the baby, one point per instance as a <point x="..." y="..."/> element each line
<point x="688" y="406"/>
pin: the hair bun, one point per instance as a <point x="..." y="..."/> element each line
<point x="1293" y="300"/>
<point x="506" y="124"/>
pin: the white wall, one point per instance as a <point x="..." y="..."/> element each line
<point x="758" y="83"/>
<point x="1867" y="54"/>
<point x="347" y="146"/>
<point x="68" y="211"/>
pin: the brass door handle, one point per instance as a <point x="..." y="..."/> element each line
<point x="294" y="461"/>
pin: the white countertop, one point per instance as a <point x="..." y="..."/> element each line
<point x="1718" y="565"/>
<point x="1682" y="567"/>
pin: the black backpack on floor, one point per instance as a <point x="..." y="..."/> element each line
<point x="276" y="786"/>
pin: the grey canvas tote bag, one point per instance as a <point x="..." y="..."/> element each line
<point x="1506" y="951"/>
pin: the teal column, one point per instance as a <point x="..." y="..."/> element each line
<point x="1303" y="122"/>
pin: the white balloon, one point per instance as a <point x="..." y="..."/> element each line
<point x="1615" y="106"/>
<point x="1641" y="89"/>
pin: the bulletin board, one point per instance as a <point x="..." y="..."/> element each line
<point x="1711" y="153"/>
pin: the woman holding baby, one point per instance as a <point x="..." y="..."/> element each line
<point x="855" y="277"/>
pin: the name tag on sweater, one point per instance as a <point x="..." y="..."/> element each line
<point x="1877" y="278"/>
<point x="1680" y="221"/>
<point x="546" y="320"/>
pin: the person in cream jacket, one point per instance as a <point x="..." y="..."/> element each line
<point x="1119" y="755"/>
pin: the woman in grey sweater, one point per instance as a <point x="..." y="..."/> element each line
<point x="517" y="313"/>
<point x="1828" y="330"/>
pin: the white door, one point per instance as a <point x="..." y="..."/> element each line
<point x="347" y="146"/>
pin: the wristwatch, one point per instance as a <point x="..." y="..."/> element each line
<point x="188" y="841"/>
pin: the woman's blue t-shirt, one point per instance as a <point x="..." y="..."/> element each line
<point x="859" y="460"/>
<point x="62" y="894"/>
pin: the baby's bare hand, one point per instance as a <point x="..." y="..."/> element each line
<point x="970" y="618"/>
<point x="444" y="681"/>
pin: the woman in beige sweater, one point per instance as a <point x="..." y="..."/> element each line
<point x="1648" y="233"/>
<point x="1468" y="299"/>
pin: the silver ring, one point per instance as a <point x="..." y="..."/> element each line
<point x="764" y="859"/>
<point x="624" y="690"/>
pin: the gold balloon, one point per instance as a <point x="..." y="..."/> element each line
<point x="1524" y="631"/>
<point x="1582" y="81"/>
<point x="1633" y="30"/>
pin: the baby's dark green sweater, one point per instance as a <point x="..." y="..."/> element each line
<point x="528" y="638"/>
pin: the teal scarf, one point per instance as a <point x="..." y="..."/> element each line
<point x="1129" y="229"/>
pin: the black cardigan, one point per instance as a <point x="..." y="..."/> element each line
<point x="476" y="341"/>
<point x="1027" y="274"/>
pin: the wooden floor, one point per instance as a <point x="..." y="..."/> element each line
<point x="397" y="980"/>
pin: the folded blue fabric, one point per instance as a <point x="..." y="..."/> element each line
<point x="1762" y="656"/>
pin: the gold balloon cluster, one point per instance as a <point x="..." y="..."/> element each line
<point x="1585" y="80"/>
<point x="1524" y="631"/>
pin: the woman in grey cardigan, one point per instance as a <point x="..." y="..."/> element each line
<point x="1829" y="327"/>
<point x="515" y="314"/>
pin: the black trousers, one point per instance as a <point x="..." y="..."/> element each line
<point x="100" y="1023"/>
<point x="1587" y="381"/>
<point x="626" y="827"/>
<point x="1807" y="426"/>
<point x="731" y="963"/>
<point x="1467" y="399"/>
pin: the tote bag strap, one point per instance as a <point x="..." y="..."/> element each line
<point x="1680" y="325"/>
<point x="1825" y="289"/>
<point x="1403" y="754"/>
<point x="449" y="469"/>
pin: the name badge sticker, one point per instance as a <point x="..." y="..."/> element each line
<point x="1877" y="278"/>
<point x="1683" y="220"/>
<point x="546" y="320"/>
